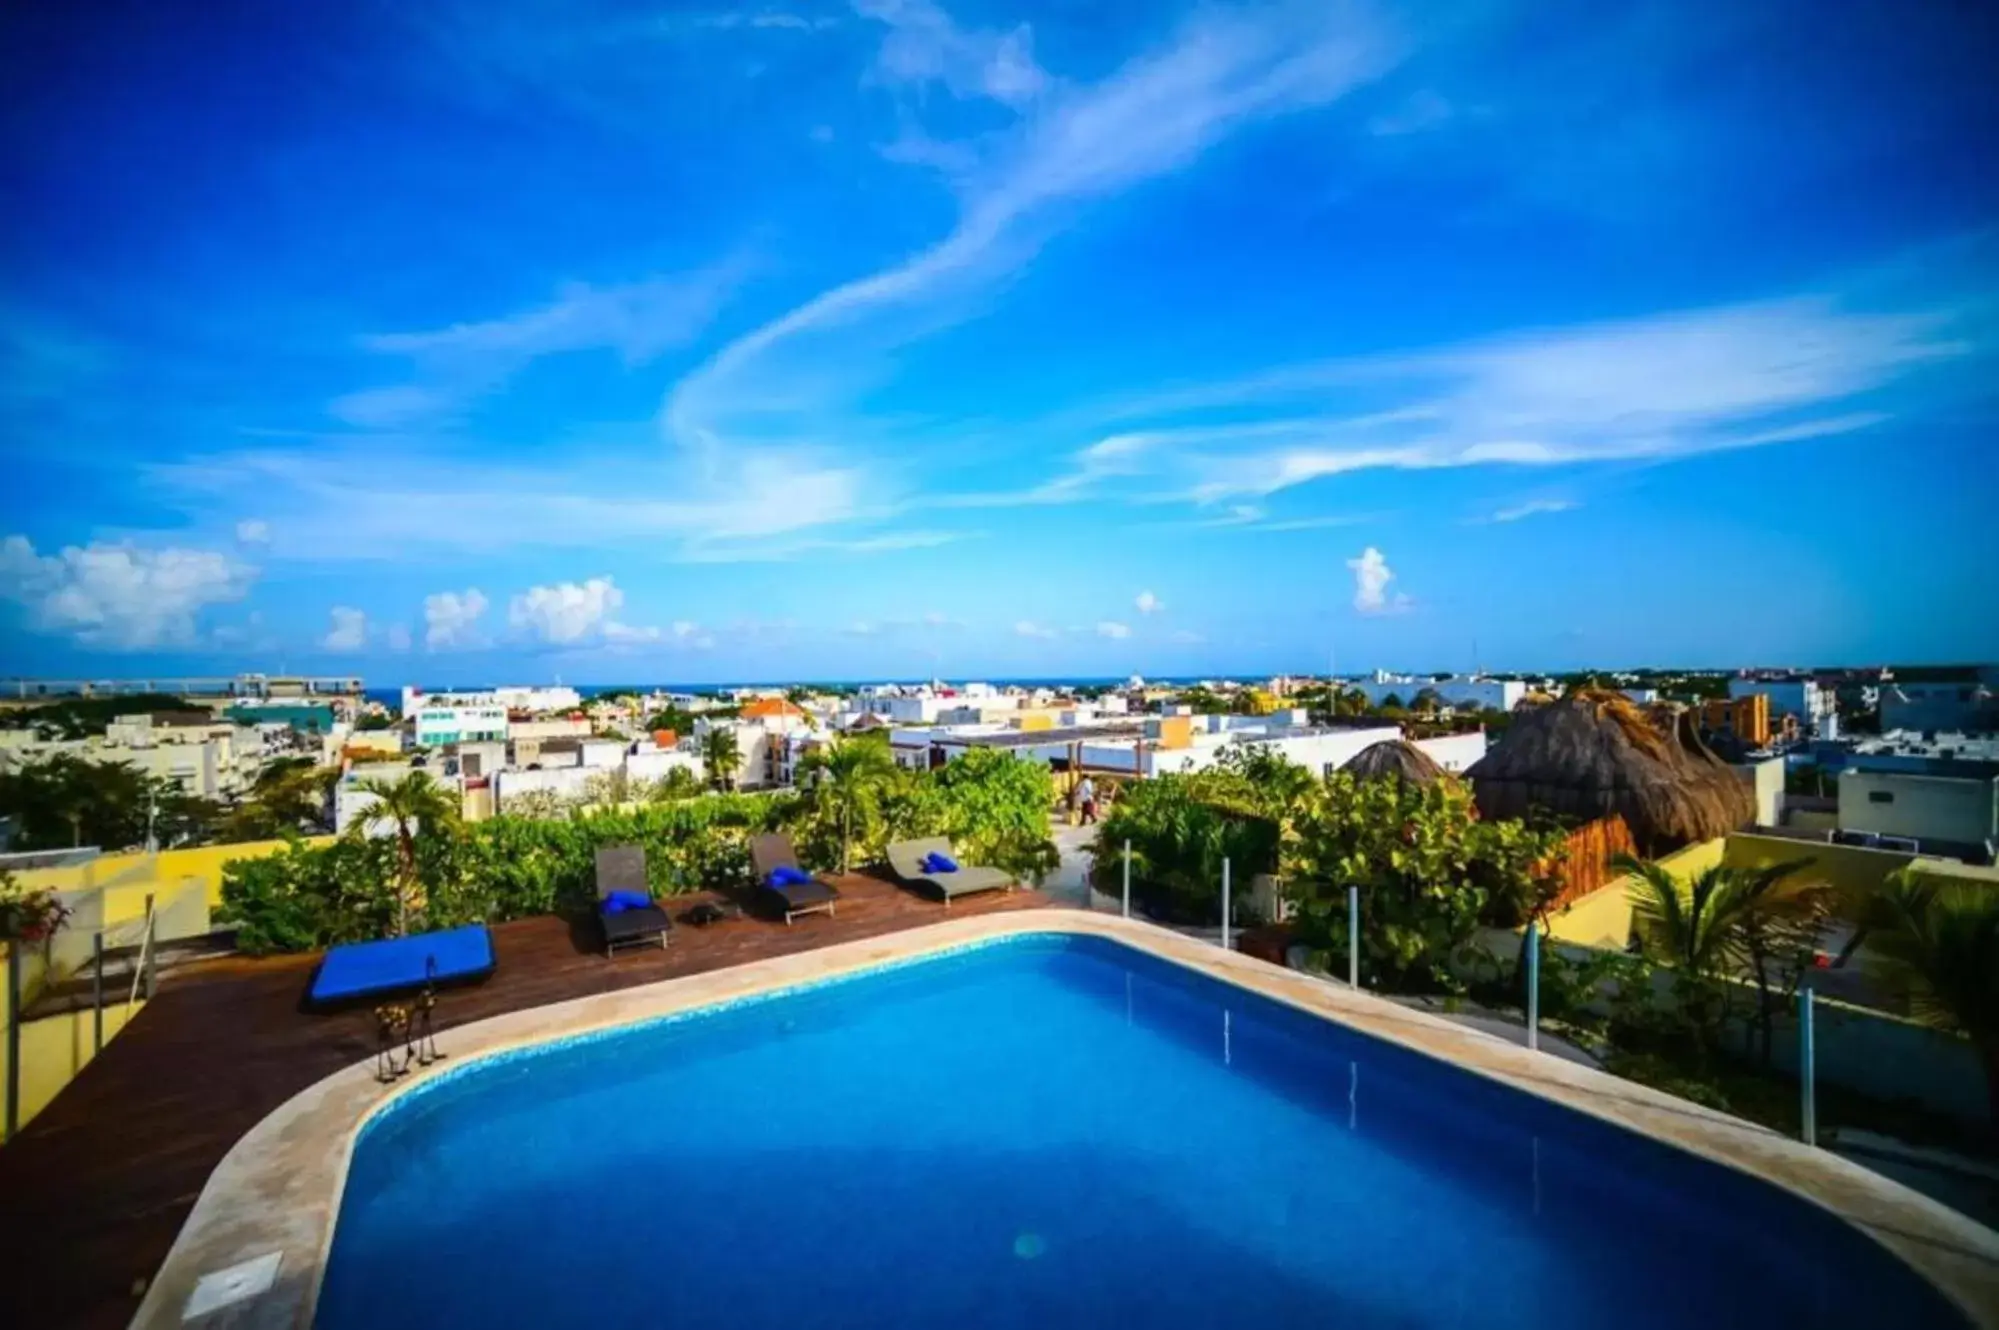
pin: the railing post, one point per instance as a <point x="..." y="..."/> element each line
<point x="1533" y="985"/>
<point x="13" y="1039"/>
<point x="1225" y="905"/>
<point x="96" y="993"/>
<point x="1807" y="1069"/>
<point x="147" y="963"/>
<point x="1127" y="879"/>
<point x="1353" y="937"/>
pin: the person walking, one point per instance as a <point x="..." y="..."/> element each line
<point x="1086" y="794"/>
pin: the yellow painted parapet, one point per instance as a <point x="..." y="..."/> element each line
<point x="55" y="1048"/>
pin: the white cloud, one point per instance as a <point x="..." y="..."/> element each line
<point x="862" y="628"/>
<point x="564" y="613"/>
<point x="451" y="619"/>
<point x="349" y="631"/>
<point x="119" y="595"/>
<point x="628" y="634"/>
<point x="939" y="619"/>
<point x="1029" y="628"/>
<point x="691" y="634"/>
<point x="1371" y="576"/>
<point x="924" y="46"/>
<point x="1115" y="631"/>
<point x="1147" y="603"/>
<point x="1534" y="508"/>
<point x="398" y="637"/>
<point x="251" y="531"/>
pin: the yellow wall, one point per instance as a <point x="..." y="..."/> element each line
<point x="128" y="877"/>
<point x="1603" y="918"/>
<point x="1849" y="868"/>
<point x="54" y="1049"/>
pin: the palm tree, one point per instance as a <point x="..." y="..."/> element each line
<point x="1724" y="919"/>
<point x="1940" y="940"/>
<point x="721" y="755"/>
<point x="415" y="804"/>
<point x="853" y="769"/>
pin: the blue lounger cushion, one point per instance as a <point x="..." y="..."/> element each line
<point x="402" y="964"/>
<point x="937" y="862"/>
<point x="787" y="875"/>
<point x="617" y="902"/>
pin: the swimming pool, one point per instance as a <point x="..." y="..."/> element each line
<point x="1051" y="1131"/>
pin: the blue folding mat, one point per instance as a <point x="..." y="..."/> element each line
<point x="401" y="964"/>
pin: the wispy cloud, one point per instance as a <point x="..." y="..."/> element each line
<point x="1029" y="628"/>
<point x="1657" y="388"/>
<point x="637" y="321"/>
<point x="1117" y="632"/>
<point x="379" y="502"/>
<point x="1534" y="508"/>
<point x="1154" y="115"/>
<point x="924" y="46"/>
<point x="1147" y="603"/>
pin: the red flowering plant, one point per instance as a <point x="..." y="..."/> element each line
<point x="28" y="916"/>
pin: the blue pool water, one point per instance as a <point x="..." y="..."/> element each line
<point x="1052" y="1132"/>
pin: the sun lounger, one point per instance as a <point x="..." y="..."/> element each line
<point x="771" y="853"/>
<point x="358" y="971"/>
<point x="622" y="868"/>
<point x="907" y="859"/>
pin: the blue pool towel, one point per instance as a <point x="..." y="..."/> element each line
<point x="363" y="969"/>
<point x="786" y="875"/>
<point x="620" y="901"/>
<point x="938" y="862"/>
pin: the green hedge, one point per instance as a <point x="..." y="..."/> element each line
<point x="306" y="897"/>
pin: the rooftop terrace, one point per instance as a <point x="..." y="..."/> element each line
<point x="111" y="1169"/>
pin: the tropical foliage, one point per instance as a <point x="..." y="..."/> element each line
<point x="412" y="805"/>
<point x="444" y="872"/>
<point x="845" y="777"/>
<point x="1939" y="942"/>
<point x="290" y="795"/>
<point x="1725" y="924"/>
<point x="1180" y="828"/>
<point x="721" y="756"/>
<point x="65" y="801"/>
<point x="1427" y="867"/>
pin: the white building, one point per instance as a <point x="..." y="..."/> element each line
<point x="512" y="698"/>
<point x="449" y="723"/>
<point x="1482" y="693"/>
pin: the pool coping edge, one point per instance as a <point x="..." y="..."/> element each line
<point x="280" y="1185"/>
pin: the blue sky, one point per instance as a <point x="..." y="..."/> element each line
<point x="621" y="342"/>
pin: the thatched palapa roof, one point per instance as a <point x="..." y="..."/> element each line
<point x="1592" y="753"/>
<point x="1395" y="757"/>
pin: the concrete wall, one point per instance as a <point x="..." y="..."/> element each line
<point x="1457" y="752"/>
<point x="1926" y="808"/>
<point x="1765" y="780"/>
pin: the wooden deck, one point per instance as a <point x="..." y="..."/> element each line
<point x="96" y="1187"/>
